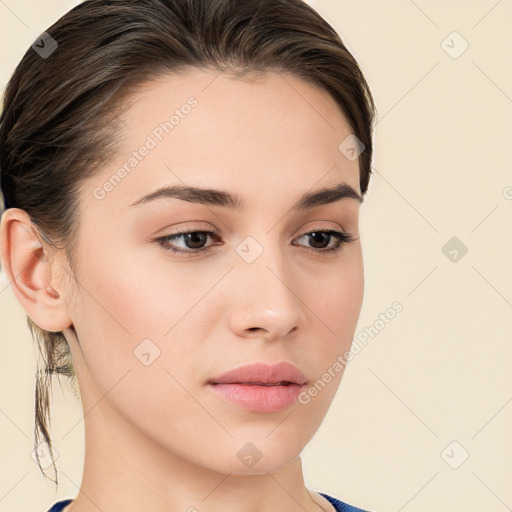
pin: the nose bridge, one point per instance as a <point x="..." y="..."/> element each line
<point x="265" y="297"/>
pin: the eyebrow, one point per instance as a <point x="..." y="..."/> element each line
<point x="213" y="197"/>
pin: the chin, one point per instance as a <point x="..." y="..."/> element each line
<point x="262" y="454"/>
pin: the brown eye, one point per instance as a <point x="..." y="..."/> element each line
<point x="320" y="240"/>
<point x="193" y="241"/>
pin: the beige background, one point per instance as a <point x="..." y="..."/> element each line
<point x="440" y="371"/>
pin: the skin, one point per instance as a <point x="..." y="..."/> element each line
<point x="156" y="437"/>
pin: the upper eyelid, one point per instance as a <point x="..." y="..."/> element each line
<point x="211" y="227"/>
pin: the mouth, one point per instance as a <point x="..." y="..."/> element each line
<point x="260" y="387"/>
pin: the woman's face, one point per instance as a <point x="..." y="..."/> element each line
<point x="156" y="326"/>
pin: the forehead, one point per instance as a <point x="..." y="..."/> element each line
<point x="269" y="134"/>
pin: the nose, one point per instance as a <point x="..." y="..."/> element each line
<point x="266" y="302"/>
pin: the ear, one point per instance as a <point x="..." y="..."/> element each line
<point x="28" y="261"/>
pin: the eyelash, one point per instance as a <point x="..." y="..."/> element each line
<point x="342" y="237"/>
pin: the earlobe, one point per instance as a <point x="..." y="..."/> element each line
<point x="28" y="264"/>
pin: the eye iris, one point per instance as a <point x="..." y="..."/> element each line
<point x="196" y="238"/>
<point x="319" y="237"/>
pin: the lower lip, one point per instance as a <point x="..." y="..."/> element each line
<point x="259" y="398"/>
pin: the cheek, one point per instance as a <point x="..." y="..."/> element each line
<point x="133" y="316"/>
<point x="122" y="320"/>
<point x="334" y="298"/>
<point x="137" y="299"/>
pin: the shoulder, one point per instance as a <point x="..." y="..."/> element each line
<point x="59" y="506"/>
<point x="341" y="506"/>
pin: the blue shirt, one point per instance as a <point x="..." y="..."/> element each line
<point x="340" y="506"/>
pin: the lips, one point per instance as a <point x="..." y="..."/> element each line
<point x="281" y="374"/>
<point x="260" y="387"/>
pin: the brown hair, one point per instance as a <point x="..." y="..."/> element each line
<point x="59" y="112"/>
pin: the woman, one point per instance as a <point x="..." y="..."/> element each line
<point x="182" y="182"/>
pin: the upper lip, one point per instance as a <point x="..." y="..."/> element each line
<point x="261" y="373"/>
